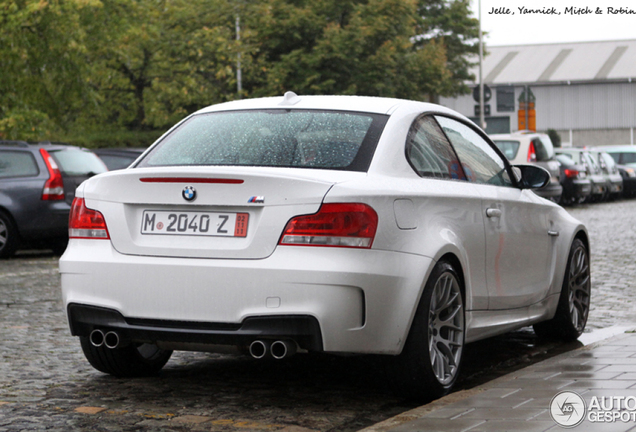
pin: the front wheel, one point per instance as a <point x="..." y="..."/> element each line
<point x="135" y="360"/>
<point x="430" y="362"/>
<point x="574" y="303"/>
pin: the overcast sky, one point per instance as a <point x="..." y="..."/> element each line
<point x="519" y="28"/>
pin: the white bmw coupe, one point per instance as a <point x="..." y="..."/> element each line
<point x="334" y="224"/>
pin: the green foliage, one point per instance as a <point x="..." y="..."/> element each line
<point x="347" y="47"/>
<point x="450" y="23"/>
<point x="117" y="72"/>
<point x="43" y="52"/>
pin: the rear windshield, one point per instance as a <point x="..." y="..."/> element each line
<point x="272" y="138"/>
<point x="628" y="158"/>
<point x="508" y="148"/>
<point x="75" y="162"/>
<point x="543" y="148"/>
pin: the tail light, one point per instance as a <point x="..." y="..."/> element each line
<point x="54" y="186"/>
<point x="350" y="225"/>
<point x="532" y="155"/>
<point x="86" y="223"/>
<point x="571" y="173"/>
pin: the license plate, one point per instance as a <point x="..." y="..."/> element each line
<point x="194" y="223"/>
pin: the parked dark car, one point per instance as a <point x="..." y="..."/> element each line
<point x="583" y="157"/>
<point x="118" y="158"/>
<point x="576" y="186"/>
<point x="37" y="187"/>
<point x="629" y="180"/>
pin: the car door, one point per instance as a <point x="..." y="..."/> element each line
<point x="450" y="203"/>
<point x="519" y="245"/>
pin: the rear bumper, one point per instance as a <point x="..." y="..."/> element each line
<point x="360" y="301"/>
<point x="577" y="189"/>
<point x="304" y="330"/>
<point x="551" y="191"/>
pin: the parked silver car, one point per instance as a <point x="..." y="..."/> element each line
<point x="608" y="166"/>
<point x="527" y="147"/>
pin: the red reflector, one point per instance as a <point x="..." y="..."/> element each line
<point x="336" y="225"/>
<point x="54" y="187"/>
<point x="189" y="180"/>
<point x="571" y="173"/>
<point x="86" y="223"/>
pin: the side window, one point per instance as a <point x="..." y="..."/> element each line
<point x="17" y="164"/>
<point x="429" y="152"/>
<point x="481" y="163"/>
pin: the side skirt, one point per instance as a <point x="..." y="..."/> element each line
<point x="483" y="324"/>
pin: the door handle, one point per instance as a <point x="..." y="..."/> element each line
<point x="553" y="233"/>
<point x="493" y="212"/>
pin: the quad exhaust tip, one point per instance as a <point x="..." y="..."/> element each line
<point x="97" y="338"/>
<point x="280" y="349"/>
<point x="109" y="339"/>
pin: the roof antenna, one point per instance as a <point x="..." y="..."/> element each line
<point x="290" y="98"/>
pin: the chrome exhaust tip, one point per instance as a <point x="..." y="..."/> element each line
<point x="97" y="338"/>
<point x="283" y="348"/>
<point x="260" y="349"/>
<point x="111" y="340"/>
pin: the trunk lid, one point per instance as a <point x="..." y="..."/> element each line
<point x="236" y="213"/>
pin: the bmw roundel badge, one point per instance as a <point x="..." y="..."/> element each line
<point x="189" y="193"/>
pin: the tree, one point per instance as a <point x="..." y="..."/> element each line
<point x="42" y="47"/>
<point x="449" y="22"/>
<point x="345" y="47"/>
<point x="160" y="60"/>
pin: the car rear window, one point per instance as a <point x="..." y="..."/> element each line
<point x="272" y="138"/>
<point x="543" y="148"/>
<point x="76" y="162"/>
<point x="508" y="148"/>
<point x="17" y="164"/>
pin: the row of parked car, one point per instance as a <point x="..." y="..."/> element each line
<point x="578" y="174"/>
<point x="37" y="187"/>
<point x="38" y="181"/>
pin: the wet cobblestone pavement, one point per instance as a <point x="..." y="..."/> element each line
<point x="46" y="384"/>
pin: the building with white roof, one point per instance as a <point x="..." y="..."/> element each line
<point x="586" y="91"/>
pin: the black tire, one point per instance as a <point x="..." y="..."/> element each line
<point x="574" y="302"/>
<point x="134" y="360"/>
<point x="430" y="362"/>
<point x="8" y="236"/>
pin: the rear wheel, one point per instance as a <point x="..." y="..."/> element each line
<point x="8" y="236"/>
<point x="430" y="362"/>
<point x="574" y="303"/>
<point x="135" y="360"/>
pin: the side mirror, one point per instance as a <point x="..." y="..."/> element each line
<point x="531" y="176"/>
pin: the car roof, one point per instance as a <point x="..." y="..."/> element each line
<point x="290" y="100"/>
<point x="517" y="135"/>
<point x="617" y="148"/>
<point x="571" y="149"/>
<point x="119" y="151"/>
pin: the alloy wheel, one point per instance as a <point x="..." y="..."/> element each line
<point x="446" y="328"/>
<point x="579" y="288"/>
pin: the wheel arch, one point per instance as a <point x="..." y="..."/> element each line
<point x="455" y="262"/>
